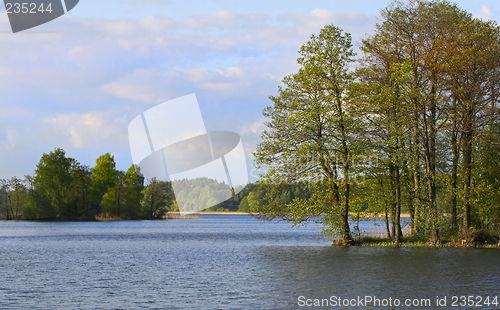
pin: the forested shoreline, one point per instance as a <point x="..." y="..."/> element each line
<point x="63" y="189"/>
<point x="413" y="123"/>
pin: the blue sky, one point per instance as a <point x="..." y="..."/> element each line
<point x="78" y="81"/>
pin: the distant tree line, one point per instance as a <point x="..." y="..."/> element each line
<point x="412" y="124"/>
<point x="63" y="189"/>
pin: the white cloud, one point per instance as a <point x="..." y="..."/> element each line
<point x="197" y="75"/>
<point x="153" y="86"/>
<point x="311" y="22"/>
<point x="485" y="13"/>
<point x="231" y="72"/>
<point x="78" y="87"/>
<point x="9" y="139"/>
<point x="255" y="127"/>
<point x="88" y="129"/>
<point x="142" y="93"/>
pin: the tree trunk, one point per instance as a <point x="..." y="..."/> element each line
<point x="430" y="161"/>
<point x="399" y="234"/>
<point x="387" y="230"/>
<point x="393" y="198"/>
<point x="345" y="154"/>
<point x="346" y="234"/>
<point x="416" y="176"/>
<point x="6" y="205"/>
<point x="17" y="204"/>
<point x="467" y="135"/>
<point x="12" y="210"/>
<point x="454" y="172"/>
<point x="347" y="231"/>
<point x="411" y="196"/>
<point x="417" y="203"/>
<point x="386" y="218"/>
<point x="416" y="146"/>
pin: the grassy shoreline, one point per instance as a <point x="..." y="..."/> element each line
<point x="417" y="242"/>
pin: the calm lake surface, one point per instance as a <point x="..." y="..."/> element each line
<point x="221" y="262"/>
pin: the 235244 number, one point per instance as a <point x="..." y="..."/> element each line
<point x="27" y="8"/>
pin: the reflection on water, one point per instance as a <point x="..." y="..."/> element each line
<point x="411" y="273"/>
<point x="218" y="262"/>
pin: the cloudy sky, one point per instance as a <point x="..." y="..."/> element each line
<point x="78" y="81"/>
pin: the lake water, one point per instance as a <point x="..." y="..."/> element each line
<point x="222" y="262"/>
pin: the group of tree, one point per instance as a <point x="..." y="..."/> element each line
<point x="63" y="189"/>
<point x="416" y="117"/>
<point x="250" y="198"/>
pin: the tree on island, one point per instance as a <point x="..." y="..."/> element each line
<point x="418" y="120"/>
<point x="311" y="134"/>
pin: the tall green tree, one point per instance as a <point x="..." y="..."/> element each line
<point x="6" y="199"/>
<point x="473" y="71"/>
<point x="103" y="177"/>
<point x="383" y="95"/>
<point x="81" y="181"/>
<point x="418" y="34"/>
<point x="18" y="197"/>
<point x="134" y="184"/>
<point x="311" y="132"/>
<point x="34" y="207"/>
<point x="155" y="199"/>
<point x="53" y="179"/>
<point x="112" y="202"/>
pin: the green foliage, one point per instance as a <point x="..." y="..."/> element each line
<point x="113" y="200"/>
<point x="52" y="181"/>
<point x="200" y="193"/>
<point x="63" y="189"/>
<point x="312" y="129"/>
<point x="244" y="207"/>
<point x="104" y="176"/>
<point x="134" y="184"/>
<point x="416" y="124"/>
<point x="157" y="199"/>
<point x="487" y="191"/>
<point x="80" y="191"/>
<point x="332" y="226"/>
